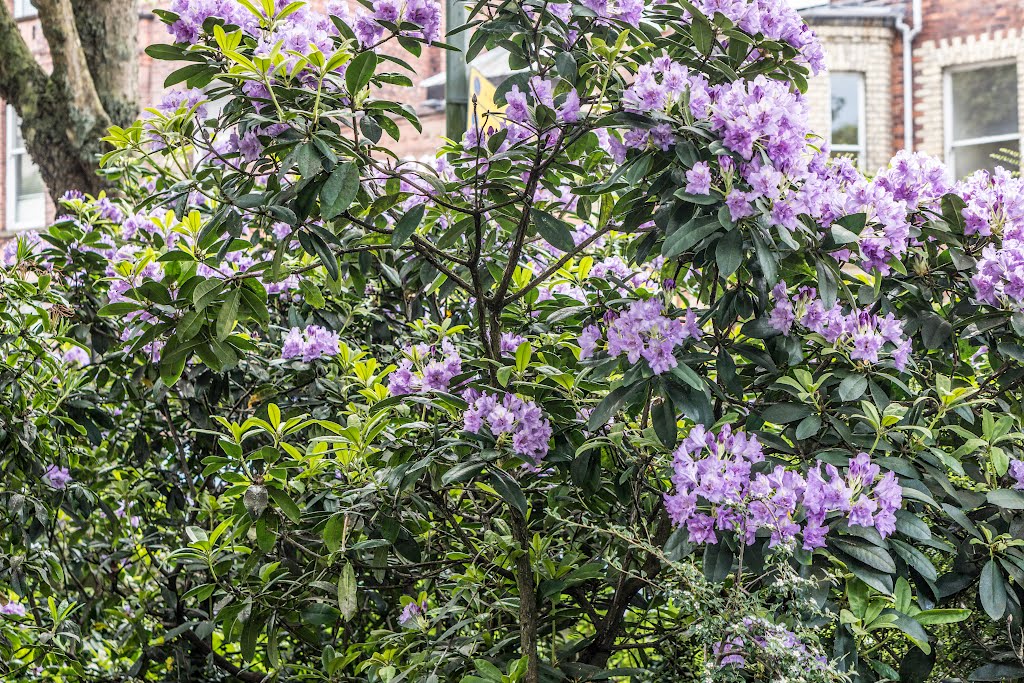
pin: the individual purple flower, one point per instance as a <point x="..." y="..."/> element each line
<point x="510" y="342"/>
<point x="569" y="112"/>
<point x="739" y="205"/>
<point x="698" y="178"/>
<point x="1017" y="472"/>
<point x="412" y="612"/>
<point x="57" y="477"/>
<point x="76" y="355"/>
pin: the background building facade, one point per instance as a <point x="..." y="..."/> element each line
<point x="966" y="65"/>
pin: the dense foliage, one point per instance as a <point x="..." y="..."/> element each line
<point x="635" y="382"/>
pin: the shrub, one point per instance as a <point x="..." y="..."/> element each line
<point x="635" y="382"/>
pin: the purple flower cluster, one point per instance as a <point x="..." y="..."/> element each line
<point x="412" y="612"/>
<point x="661" y="84"/>
<point x="995" y="204"/>
<point x="13" y="609"/>
<point x="309" y="344"/>
<point x="509" y="414"/>
<point x="775" y="19"/>
<point x="627" y="11"/>
<point x="995" y="207"/>
<point x="424" y="13"/>
<point x="918" y="180"/>
<point x="641" y="331"/>
<point x="766" y="114"/>
<point x="424" y="370"/>
<point x="192" y="14"/>
<point x="863" y="335"/>
<point x="716" y="489"/>
<point x="731" y="652"/>
<point x="999" y="280"/>
<point x="57" y="477"/>
<point x="542" y="91"/>
<point x="911" y="182"/>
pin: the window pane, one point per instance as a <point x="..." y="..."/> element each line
<point x="967" y="160"/>
<point x="24" y="8"/>
<point x="984" y="102"/>
<point x="27" y="177"/>
<point x="846" y="108"/>
<point x="29" y="193"/>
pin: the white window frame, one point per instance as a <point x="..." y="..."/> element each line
<point x="947" y="111"/>
<point x="24" y="9"/>
<point x="11" y="184"/>
<point x="861" y="148"/>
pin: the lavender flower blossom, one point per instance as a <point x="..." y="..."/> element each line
<point x="716" y="488"/>
<point x="530" y="431"/>
<point x="310" y="344"/>
<point x="643" y="332"/>
<point x="57" y="477"/>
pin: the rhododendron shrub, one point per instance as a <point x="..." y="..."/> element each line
<point x="635" y="381"/>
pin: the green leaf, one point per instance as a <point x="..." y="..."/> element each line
<point x="663" y="416"/>
<point x="334" y="530"/>
<point x="862" y="551"/>
<point x="689" y="234"/>
<point x="784" y="413"/>
<point x="992" y="591"/>
<point x="120" y="308"/>
<point x="339" y="190"/>
<point x="718" y="559"/>
<point x="509" y="489"/>
<point x="952" y="211"/>
<point x="934" y="617"/>
<point x="172" y="367"/>
<point x="997" y="672"/>
<point x="205" y="292"/>
<point x="555" y="232"/>
<point x="407" y="225"/>
<point x="360" y="71"/>
<point x="1006" y="498"/>
<point x="189" y="325"/>
<point x="228" y="314"/>
<point x="853" y="387"/>
<point x="287" y="505"/>
<point x="347" y="601"/>
<point x="702" y="33"/>
<point x="729" y="253"/>
<point x="608" y="406"/>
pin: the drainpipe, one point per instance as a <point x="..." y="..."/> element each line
<point x="909" y="34"/>
<point x="456" y="90"/>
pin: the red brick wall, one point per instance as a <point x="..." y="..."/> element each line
<point x="947" y="19"/>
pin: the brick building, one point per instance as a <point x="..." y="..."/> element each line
<point x="966" y="65"/>
<point x="965" y="70"/>
<point x="24" y="201"/>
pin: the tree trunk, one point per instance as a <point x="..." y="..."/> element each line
<point x="109" y="32"/>
<point x="93" y="83"/>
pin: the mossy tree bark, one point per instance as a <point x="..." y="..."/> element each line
<point x="92" y="84"/>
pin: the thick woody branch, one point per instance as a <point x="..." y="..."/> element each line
<point x="21" y="77"/>
<point x="70" y="66"/>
